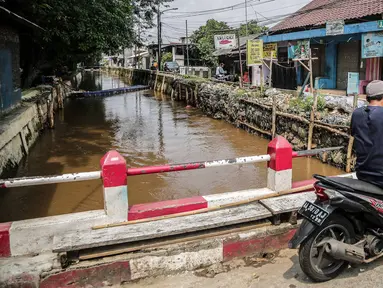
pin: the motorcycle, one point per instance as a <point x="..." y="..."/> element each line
<point x="343" y="226"/>
<point x="224" y="77"/>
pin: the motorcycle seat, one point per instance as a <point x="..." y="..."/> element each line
<point x="354" y="184"/>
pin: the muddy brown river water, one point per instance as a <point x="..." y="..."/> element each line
<point x="147" y="129"/>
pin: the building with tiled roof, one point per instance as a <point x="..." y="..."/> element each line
<point x="318" y="12"/>
<point x="345" y="37"/>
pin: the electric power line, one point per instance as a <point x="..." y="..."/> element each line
<point x="217" y="10"/>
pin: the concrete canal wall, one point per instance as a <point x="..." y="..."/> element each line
<point x="20" y="127"/>
<point x="252" y="111"/>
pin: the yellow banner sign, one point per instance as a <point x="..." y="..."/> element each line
<point x="270" y="50"/>
<point x="254" y="52"/>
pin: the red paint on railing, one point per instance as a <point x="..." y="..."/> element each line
<point x="5" y="243"/>
<point x="156" y="209"/>
<point x="165" y="168"/>
<point x="280" y="151"/>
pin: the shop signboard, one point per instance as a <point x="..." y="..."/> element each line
<point x="335" y="27"/>
<point x="380" y="24"/>
<point x="372" y="45"/>
<point x="300" y="50"/>
<point x="228" y="41"/>
<point x="352" y="83"/>
<point x="270" y="50"/>
<point x="254" y="52"/>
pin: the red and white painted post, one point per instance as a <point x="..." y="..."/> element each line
<point x="5" y="246"/>
<point x="114" y="177"/>
<point x="279" y="172"/>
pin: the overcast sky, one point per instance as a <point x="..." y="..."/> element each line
<point x="261" y="10"/>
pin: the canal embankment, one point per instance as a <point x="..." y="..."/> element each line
<point x="253" y="111"/>
<point x="20" y="127"/>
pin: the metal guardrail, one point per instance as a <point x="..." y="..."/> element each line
<point x="84" y="176"/>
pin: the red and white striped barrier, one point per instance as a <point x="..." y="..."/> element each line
<point x="36" y="235"/>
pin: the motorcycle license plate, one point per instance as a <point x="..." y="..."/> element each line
<point x="313" y="213"/>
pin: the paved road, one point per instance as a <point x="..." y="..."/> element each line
<point x="282" y="272"/>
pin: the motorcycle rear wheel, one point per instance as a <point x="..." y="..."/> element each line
<point x="314" y="261"/>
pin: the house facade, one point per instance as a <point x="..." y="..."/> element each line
<point x="345" y="38"/>
<point x="12" y="28"/>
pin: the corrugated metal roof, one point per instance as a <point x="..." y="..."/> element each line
<point x="318" y="12"/>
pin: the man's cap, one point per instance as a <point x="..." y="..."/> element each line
<point x="375" y="88"/>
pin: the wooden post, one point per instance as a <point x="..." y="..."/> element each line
<point x="196" y="95"/>
<point x="163" y="83"/>
<point x="271" y="71"/>
<point x="240" y="60"/>
<point x="50" y="105"/>
<point x="179" y="92"/>
<point x="351" y="141"/>
<point x="187" y="95"/>
<point x="155" y="82"/>
<point x="314" y="107"/>
<point x="261" y="79"/>
<point x="274" y="117"/>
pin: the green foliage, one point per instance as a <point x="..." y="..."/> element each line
<point x="166" y="57"/>
<point x="76" y="30"/>
<point x="240" y="92"/>
<point x="306" y="104"/>
<point x="252" y="28"/>
<point x="203" y="40"/>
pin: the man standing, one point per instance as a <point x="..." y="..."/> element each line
<point x="367" y="129"/>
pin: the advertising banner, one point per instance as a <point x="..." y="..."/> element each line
<point x="254" y="52"/>
<point x="372" y="45"/>
<point x="270" y="50"/>
<point x="228" y="41"/>
<point x="301" y="50"/>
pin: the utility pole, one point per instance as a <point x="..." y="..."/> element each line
<point x="159" y="35"/>
<point x="240" y="60"/>
<point x="247" y="32"/>
<point x="139" y="41"/>
<point x="187" y="48"/>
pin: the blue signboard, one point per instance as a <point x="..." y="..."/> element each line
<point x="372" y="45"/>
<point x="352" y="83"/>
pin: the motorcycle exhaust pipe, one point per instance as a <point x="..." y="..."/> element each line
<point x="344" y="251"/>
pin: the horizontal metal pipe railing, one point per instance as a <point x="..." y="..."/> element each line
<point x="84" y="176"/>
<point x="197" y="165"/>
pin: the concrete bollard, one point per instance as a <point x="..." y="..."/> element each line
<point x="114" y="177"/>
<point x="279" y="172"/>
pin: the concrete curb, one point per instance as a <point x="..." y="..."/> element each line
<point x="43" y="270"/>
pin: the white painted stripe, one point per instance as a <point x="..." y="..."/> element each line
<point x="238" y="161"/>
<point x="41" y="180"/>
<point x="116" y="203"/>
<point x="217" y="200"/>
<point x="279" y="180"/>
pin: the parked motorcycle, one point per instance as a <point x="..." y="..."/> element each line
<point x="343" y="226"/>
<point x="224" y="77"/>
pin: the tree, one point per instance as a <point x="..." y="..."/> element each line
<point x="79" y="30"/>
<point x="252" y="28"/>
<point x="166" y="57"/>
<point x="203" y="40"/>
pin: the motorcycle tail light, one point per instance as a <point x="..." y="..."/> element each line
<point x="320" y="192"/>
